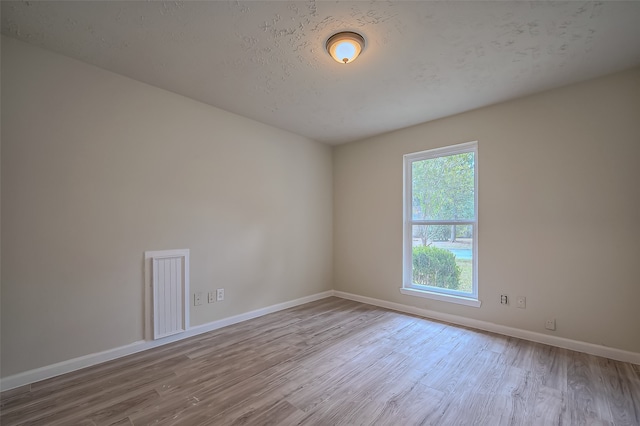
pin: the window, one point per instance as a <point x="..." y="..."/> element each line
<point x="441" y="224"/>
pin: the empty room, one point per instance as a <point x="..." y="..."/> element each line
<point x="320" y="213"/>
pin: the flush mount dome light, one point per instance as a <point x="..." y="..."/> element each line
<point x="345" y="47"/>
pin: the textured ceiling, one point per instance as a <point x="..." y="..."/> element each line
<point x="265" y="60"/>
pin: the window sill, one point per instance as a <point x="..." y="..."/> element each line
<point x="467" y="301"/>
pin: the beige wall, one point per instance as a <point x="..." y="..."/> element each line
<point x="559" y="210"/>
<point x="98" y="168"/>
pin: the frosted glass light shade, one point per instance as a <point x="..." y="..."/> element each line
<point x="345" y="47"/>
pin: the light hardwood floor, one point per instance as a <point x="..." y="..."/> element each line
<point x="338" y="362"/>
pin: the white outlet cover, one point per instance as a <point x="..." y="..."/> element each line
<point x="521" y="302"/>
<point x="550" y="324"/>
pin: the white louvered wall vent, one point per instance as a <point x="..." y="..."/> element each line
<point x="170" y="291"/>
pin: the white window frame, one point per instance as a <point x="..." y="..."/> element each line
<point x="408" y="287"/>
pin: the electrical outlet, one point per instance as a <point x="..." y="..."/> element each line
<point x="521" y="302"/>
<point x="550" y="324"/>
<point x="220" y="294"/>
<point x="212" y="297"/>
<point x="197" y="299"/>
<point x="504" y="299"/>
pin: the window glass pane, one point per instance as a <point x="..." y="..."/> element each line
<point x="443" y="256"/>
<point x="443" y="188"/>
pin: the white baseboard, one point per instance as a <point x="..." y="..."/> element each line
<point x="32" y="376"/>
<point x="561" y="342"/>
<point x="74" y="364"/>
<point x="46" y="372"/>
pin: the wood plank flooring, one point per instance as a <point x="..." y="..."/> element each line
<point x="338" y="362"/>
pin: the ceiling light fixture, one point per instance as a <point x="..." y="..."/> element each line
<point x="345" y="47"/>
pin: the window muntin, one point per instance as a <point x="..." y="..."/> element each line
<point x="440" y="235"/>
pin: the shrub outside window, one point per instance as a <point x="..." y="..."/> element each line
<point x="441" y="224"/>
